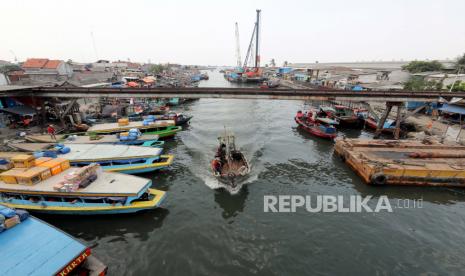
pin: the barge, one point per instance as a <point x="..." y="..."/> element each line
<point x="404" y="162"/>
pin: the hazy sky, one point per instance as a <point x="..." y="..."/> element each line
<point x="202" y="31"/>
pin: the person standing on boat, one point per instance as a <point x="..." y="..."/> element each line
<point x="216" y="164"/>
<point x="221" y="153"/>
<point x="51" y="131"/>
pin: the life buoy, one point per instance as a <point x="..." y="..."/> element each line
<point x="378" y="179"/>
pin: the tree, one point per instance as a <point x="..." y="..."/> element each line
<point x="157" y="69"/>
<point x="422" y="66"/>
<point x="273" y="63"/>
<point x="460" y="63"/>
<point x="420" y="84"/>
<point x="285" y="63"/>
<point x="458" y="86"/>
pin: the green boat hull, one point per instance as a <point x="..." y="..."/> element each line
<point x="168" y="132"/>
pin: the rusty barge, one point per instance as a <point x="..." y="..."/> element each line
<point x="404" y="162"/>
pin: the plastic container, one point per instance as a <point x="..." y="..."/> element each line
<point x="43" y="172"/>
<point x="30" y="177"/>
<point x="65" y="150"/>
<point x="64" y="163"/>
<point x="123" y="122"/>
<point x="41" y="160"/>
<point x="50" y="153"/>
<point x="53" y="165"/>
<point x="23" y="161"/>
<point x="9" y="177"/>
<point x="38" y="154"/>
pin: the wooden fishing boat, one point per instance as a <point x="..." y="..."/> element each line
<point x="113" y="158"/>
<point x="346" y="115"/>
<point x="31" y="246"/>
<point x="148" y="140"/>
<point x="230" y="164"/>
<point x="179" y="118"/>
<point x="160" y="128"/>
<point x="316" y="126"/>
<point x="53" y="187"/>
<point x="372" y="123"/>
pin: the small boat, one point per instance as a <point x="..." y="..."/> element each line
<point x="271" y="83"/>
<point x="346" y="115"/>
<point x="113" y="158"/>
<point x="30" y="247"/>
<point x="320" y="127"/>
<point x="53" y="187"/>
<point x="372" y="123"/>
<point x="230" y="164"/>
<point x="179" y="118"/>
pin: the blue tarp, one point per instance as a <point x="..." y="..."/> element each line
<point x="452" y="109"/>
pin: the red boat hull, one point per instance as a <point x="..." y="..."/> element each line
<point x="314" y="129"/>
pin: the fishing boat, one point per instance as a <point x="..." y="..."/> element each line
<point x="317" y="126"/>
<point x="346" y="115"/>
<point x="162" y="128"/>
<point x="179" y="118"/>
<point x="113" y="158"/>
<point x="230" y="164"/>
<point x="143" y="140"/>
<point x="31" y="246"/>
<point x="51" y="186"/>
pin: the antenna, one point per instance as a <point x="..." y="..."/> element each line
<point x="93" y="44"/>
<point x="238" y="47"/>
<point x="13" y="53"/>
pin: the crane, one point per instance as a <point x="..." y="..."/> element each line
<point x="238" y="47"/>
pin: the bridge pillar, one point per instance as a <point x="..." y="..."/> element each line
<point x="381" y="122"/>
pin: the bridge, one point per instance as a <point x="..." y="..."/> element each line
<point x="231" y="93"/>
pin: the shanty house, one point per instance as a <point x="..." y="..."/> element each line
<point x="46" y="69"/>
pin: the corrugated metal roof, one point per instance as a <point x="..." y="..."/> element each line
<point x="452" y="109"/>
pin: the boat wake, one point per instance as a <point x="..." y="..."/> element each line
<point x="252" y="138"/>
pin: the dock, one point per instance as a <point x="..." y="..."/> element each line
<point x="404" y="162"/>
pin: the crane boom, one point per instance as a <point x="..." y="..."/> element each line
<point x="238" y="47"/>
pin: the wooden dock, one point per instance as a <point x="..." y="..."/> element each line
<point x="404" y="162"/>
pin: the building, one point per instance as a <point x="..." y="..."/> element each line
<point x="43" y="69"/>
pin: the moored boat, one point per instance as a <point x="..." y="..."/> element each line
<point x="53" y="187"/>
<point x="30" y="247"/>
<point x="142" y="140"/>
<point x="113" y="158"/>
<point x="316" y="126"/>
<point x="230" y="164"/>
<point x="162" y="128"/>
<point x="346" y="115"/>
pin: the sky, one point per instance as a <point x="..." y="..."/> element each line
<point x="202" y="31"/>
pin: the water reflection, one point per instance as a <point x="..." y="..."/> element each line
<point x="232" y="205"/>
<point x="140" y="225"/>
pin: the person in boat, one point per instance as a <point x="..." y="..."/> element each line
<point x="309" y="116"/>
<point x="221" y="153"/>
<point x="216" y="164"/>
<point x="299" y="114"/>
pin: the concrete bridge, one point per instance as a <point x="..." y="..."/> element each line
<point x="231" y="93"/>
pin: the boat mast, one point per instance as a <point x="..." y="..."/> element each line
<point x="257" y="33"/>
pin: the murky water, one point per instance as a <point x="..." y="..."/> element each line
<point x="202" y="231"/>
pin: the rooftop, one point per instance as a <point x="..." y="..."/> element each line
<point x="41" y="63"/>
